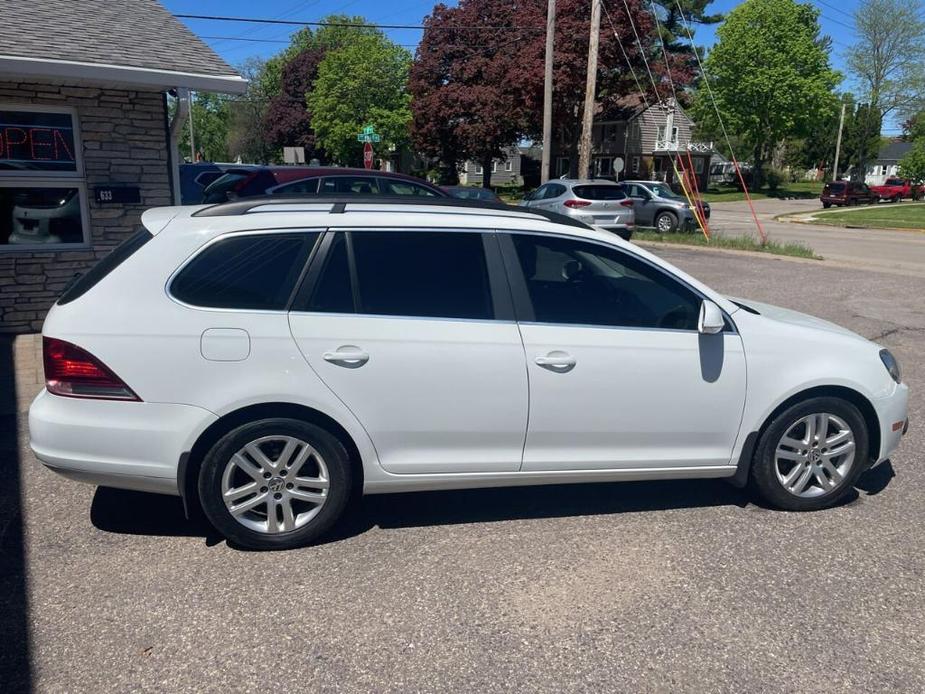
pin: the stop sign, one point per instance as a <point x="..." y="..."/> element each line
<point x="368" y="155"/>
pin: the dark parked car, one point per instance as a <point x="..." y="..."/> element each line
<point x="195" y="178"/>
<point x="842" y="193"/>
<point x="472" y="193"/>
<point x="300" y="180"/>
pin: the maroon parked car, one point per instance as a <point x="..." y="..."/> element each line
<point x="847" y="193"/>
<point x="301" y="180"/>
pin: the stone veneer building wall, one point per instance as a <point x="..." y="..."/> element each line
<point x="123" y="140"/>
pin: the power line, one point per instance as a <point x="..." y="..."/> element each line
<point x="833" y="7"/>
<point x="355" y="25"/>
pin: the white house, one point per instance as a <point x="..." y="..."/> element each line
<point x="887" y="163"/>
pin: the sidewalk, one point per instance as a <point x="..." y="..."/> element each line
<point x="26" y="377"/>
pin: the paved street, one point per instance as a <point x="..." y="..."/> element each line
<point x="901" y="252"/>
<point x="680" y="586"/>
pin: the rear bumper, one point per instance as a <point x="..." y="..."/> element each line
<point x="128" y="445"/>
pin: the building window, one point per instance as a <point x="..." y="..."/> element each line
<point x="698" y="165"/>
<point x="635" y="165"/>
<point x="479" y="169"/>
<point x="494" y="166"/>
<point x="43" y="198"/>
<point x="509" y="166"/>
<point x="609" y="132"/>
<point x="562" y="166"/>
<point x="603" y="167"/>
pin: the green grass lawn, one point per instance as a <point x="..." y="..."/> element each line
<point x="739" y="243"/>
<point x="801" y="189"/>
<point x="885" y="215"/>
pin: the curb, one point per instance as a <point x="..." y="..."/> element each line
<point x="731" y="251"/>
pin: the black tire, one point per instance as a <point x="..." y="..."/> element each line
<point x="672" y="225"/>
<point x="898" y="198"/>
<point x="763" y="478"/>
<point x="826" y="205"/>
<point x="339" y="473"/>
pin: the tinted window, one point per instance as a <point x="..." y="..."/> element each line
<point x="81" y="284"/>
<point x="333" y="293"/>
<point x="218" y="190"/>
<point x="349" y="185"/>
<point x="835" y="187"/>
<point x="256" y="271"/>
<point x="441" y="275"/>
<point x="554" y="190"/>
<point x="392" y="186"/>
<point x="582" y="283"/>
<point x="307" y="186"/>
<point x="473" y="193"/>
<point x="599" y="192"/>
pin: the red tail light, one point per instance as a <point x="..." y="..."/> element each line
<point x="627" y="203"/>
<point x="75" y="373"/>
<point x="576" y="203"/>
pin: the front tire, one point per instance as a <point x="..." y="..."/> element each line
<point x="666" y="222"/>
<point x="275" y="483"/>
<point x="826" y="205"/>
<point x="810" y="455"/>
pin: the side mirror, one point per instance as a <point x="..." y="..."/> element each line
<point x="711" y="319"/>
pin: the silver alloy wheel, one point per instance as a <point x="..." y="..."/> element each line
<point x="263" y="489"/>
<point x="664" y="223"/>
<point x="815" y="455"/>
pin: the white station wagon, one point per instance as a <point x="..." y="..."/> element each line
<point x="268" y="358"/>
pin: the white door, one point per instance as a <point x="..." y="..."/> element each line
<point x="415" y="347"/>
<point x="619" y="376"/>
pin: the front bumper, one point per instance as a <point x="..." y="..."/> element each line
<point x="892" y="411"/>
<point x="128" y="445"/>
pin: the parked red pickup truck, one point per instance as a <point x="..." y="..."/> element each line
<point x="895" y="189"/>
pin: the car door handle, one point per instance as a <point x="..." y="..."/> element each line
<point x="557" y="361"/>
<point x="349" y="356"/>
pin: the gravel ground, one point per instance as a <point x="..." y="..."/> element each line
<point x="680" y="586"/>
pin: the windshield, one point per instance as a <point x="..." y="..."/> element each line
<point x="663" y="191"/>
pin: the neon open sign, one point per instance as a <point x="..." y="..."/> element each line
<point x="36" y="141"/>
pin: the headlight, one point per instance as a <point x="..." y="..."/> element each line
<point x="892" y="366"/>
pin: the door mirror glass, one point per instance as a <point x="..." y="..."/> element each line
<point x="711" y="319"/>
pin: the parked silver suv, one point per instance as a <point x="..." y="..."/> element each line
<point x="657" y="205"/>
<point x="600" y="203"/>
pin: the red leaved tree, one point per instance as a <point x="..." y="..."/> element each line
<point x="288" y="122"/>
<point x="477" y="79"/>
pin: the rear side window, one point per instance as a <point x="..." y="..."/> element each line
<point x="255" y="271"/>
<point x="307" y="186"/>
<point x="391" y="186"/>
<point x="81" y="284"/>
<point x="599" y="192"/>
<point x="426" y="274"/>
<point x="349" y="185"/>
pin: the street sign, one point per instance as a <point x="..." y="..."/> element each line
<point x="618" y="164"/>
<point x="368" y="155"/>
<point x="367" y="136"/>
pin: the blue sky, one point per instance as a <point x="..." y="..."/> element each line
<point x="836" y="22"/>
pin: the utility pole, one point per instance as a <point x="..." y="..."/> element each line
<point x="547" y="91"/>
<point x="841" y="124"/>
<point x="192" y="141"/>
<point x="587" y="121"/>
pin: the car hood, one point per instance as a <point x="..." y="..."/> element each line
<point x="803" y="320"/>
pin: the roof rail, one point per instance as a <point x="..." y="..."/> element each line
<point x="339" y="204"/>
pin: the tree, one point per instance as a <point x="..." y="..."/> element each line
<point x="210" y="115"/>
<point x="770" y="76"/>
<point x="886" y="61"/>
<point x="913" y="164"/>
<point x="361" y="83"/>
<point x="246" y="134"/>
<point x="287" y="120"/>
<point x="477" y="79"/>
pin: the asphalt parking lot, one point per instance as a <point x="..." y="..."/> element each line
<point x="681" y="586"/>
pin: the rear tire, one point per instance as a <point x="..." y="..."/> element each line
<point x="296" y="471"/>
<point x="797" y="469"/>
<point x="826" y="205"/>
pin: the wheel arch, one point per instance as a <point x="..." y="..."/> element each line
<point x="865" y="407"/>
<point x="191" y="461"/>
